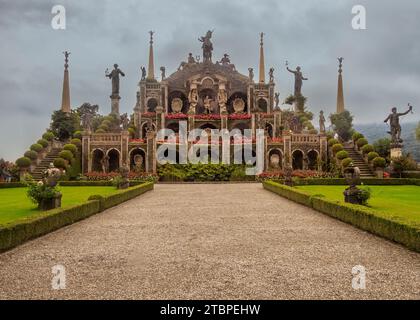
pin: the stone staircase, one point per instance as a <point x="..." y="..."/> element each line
<point x="358" y="161"/>
<point x="45" y="163"/>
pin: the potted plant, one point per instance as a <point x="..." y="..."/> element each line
<point x="45" y="193"/>
<point x="23" y="163"/>
<point x="379" y="164"/>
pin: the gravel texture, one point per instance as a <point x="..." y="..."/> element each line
<point x="225" y="241"/>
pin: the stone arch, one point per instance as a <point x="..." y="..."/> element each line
<point x="235" y="95"/>
<point x="152" y="103"/>
<point x="97" y="156"/>
<point x="240" y="125"/>
<point x="269" y="129"/>
<point x="202" y="95"/>
<point x="297" y="159"/>
<point x="114" y="159"/>
<point x="262" y="104"/>
<point x="134" y="162"/>
<point x="144" y="129"/>
<point x="312" y="157"/>
<point x="270" y="154"/>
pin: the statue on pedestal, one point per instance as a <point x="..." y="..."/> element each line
<point x="277" y="99"/>
<point x="143" y="73"/>
<point x="125" y="121"/>
<point x="271" y="74"/>
<point x="207" y="46"/>
<point x="207" y="104"/>
<point x="394" y="122"/>
<point x="222" y="97"/>
<point x="321" y="122"/>
<point x="251" y="74"/>
<point x="115" y="77"/>
<point x="298" y="80"/>
<point x="163" y="72"/>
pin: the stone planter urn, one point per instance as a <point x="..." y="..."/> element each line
<point x="352" y="193"/>
<point x="50" y="203"/>
<point x="22" y="172"/>
<point x="379" y="173"/>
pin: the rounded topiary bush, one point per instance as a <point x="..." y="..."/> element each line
<point x="361" y="142"/>
<point x="49" y="136"/>
<point x="346" y="162"/>
<point x="77" y="142"/>
<point x="37" y="147"/>
<point x="23" y="162"/>
<point x="66" y="155"/>
<point x="71" y="147"/>
<point x="33" y="155"/>
<point x="342" y="155"/>
<point x="337" y="148"/>
<point x="77" y="135"/>
<point x="100" y="131"/>
<point x="313" y="131"/>
<point x="379" y="162"/>
<point x="59" y="163"/>
<point x="372" y="155"/>
<point x="103" y="127"/>
<point x="44" y="143"/>
<point x="106" y="123"/>
<point x="357" y="135"/>
<point x="332" y="142"/>
<point x="367" y="148"/>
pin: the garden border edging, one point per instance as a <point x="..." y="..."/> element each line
<point x="17" y="233"/>
<point x="363" y="218"/>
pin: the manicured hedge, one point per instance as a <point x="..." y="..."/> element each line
<point x="103" y="183"/>
<point x="366" y="181"/>
<point x="361" y="217"/>
<point x="16" y="233"/>
<point x="4" y="185"/>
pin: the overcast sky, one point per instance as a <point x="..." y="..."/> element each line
<point x="381" y="67"/>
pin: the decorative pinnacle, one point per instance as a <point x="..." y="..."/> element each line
<point x="262" y="38"/>
<point x="66" y="59"/>
<point x="340" y="60"/>
<point x="151" y="36"/>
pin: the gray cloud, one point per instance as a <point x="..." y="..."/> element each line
<point x="380" y="66"/>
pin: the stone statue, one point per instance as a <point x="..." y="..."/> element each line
<point x="207" y="46"/>
<point x="143" y="73"/>
<point x="193" y="100"/>
<point x="190" y="61"/>
<point x="105" y="163"/>
<point x="149" y="125"/>
<point x="298" y="80"/>
<point x="251" y="74"/>
<point x="138" y="163"/>
<point x="222" y="98"/>
<point x="163" y="72"/>
<point x="87" y="121"/>
<point x="115" y="77"/>
<point x="207" y="104"/>
<point x="394" y="122"/>
<point x="225" y="61"/>
<point x="271" y="74"/>
<point x="321" y="122"/>
<point x="125" y="121"/>
<point x="277" y="99"/>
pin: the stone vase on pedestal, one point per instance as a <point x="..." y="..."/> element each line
<point x="50" y="203"/>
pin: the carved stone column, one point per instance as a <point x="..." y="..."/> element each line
<point x="287" y="144"/>
<point x="151" y="152"/>
<point x="160" y="118"/>
<point x="86" y="159"/>
<point x="125" y="136"/>
<point x="323" y="148"/>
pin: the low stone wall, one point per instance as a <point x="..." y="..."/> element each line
<point x="14" y="234"/>
<point x="361" y="217"/>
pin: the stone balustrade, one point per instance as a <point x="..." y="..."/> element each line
<point x="106" y="137"/>
<point x="305" y="138"/>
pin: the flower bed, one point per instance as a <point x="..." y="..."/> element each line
<point x="109" y="176"/>
<point x="176" y="116"/>
<point x="242" y="116"/>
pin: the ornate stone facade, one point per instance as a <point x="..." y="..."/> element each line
<point x="205" y="95"/>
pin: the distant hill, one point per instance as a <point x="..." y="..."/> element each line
<point x="377" y="131"/>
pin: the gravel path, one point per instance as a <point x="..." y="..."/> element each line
<point x="218" y="241"/>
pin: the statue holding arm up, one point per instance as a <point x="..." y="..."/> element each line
<point x="115" y="77"/>
<point x="298" y="80"/>
<point x="394" y="122"/>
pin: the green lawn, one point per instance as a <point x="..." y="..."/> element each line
<point x="14" y="204"/>
<point x="398" y="202"/>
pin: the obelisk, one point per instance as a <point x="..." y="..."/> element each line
<point x="65" y="98"/>
<point x="340" y="94"/>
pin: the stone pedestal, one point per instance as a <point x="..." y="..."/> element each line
<point x="50" y="203"/>
<point x="151" y="152"/>
<point x="396" y="151"/>
<point x="115" y="104"/>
